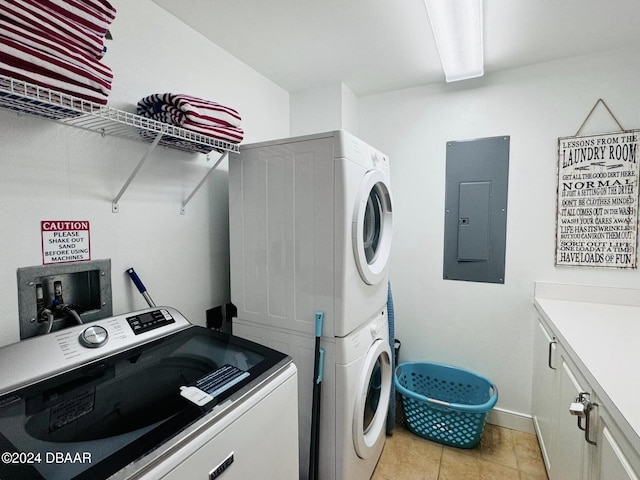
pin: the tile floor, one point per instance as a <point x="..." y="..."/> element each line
<point x="502" y="454"/>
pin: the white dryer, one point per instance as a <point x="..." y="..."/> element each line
<point x="310" y="227"/>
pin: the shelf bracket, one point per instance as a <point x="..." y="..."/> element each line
<point x="154" y="144"/>
<point x="188" y="199"/>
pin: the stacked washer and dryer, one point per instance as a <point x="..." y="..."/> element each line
<point x="310" y="230"/>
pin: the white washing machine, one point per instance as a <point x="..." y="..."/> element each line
<point x="146" y="396"/>
<point x="310" y="229"/>
<point x="355" y="394"/>
<point x="363" y="382"/>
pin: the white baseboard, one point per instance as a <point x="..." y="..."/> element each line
<point x="512" y="420"/>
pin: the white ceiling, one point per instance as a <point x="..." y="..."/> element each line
<point x="374" y="46"/>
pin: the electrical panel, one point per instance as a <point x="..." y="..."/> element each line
<point x="477" y="180"/>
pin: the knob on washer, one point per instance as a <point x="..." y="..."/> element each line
<point x="94" y="336"/>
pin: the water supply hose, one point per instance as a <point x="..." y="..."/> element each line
<point x="48" y="314"/>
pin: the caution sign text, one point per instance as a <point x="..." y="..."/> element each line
<point x="65" y="241"/>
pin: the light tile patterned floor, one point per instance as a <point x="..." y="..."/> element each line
<point x="502" y="454"/>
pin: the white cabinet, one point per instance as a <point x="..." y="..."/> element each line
<point x="615" y="459"/>
<point x="572" y="449"/>
<point x="545" y="395"/>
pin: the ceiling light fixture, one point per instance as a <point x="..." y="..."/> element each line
<point x="457" y="28"/>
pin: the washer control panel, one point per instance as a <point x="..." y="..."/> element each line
<point x="45" y="356"/>
<point x="94" y="336"/>
<point x="143" y="322"/>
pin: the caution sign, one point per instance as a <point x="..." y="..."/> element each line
<point x="65" y="241"/>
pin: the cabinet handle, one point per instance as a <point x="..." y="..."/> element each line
<point x="588" y="423"/>
<point x="551" y="344"/>
<point x="582" y="407"/>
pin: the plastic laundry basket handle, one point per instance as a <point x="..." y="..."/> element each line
<point x="485" y="407"/>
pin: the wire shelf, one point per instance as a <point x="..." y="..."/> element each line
<point x="20" y="96"/>
<point x="24" y="97"/>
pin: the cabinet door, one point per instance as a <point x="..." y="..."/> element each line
<point x="570" y="447"/>
<point x="612" y="464"/>
<point x="545" y="387"/>
<point x="615" y="458"/>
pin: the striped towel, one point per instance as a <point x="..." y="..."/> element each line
<point x="23" y="62"/>
<point x="57" y="44"/>
<point x="195" y="114"/>
<point x="73" y="56"/>
<point x="95" y="16"/>
<point x="44" y="17"/>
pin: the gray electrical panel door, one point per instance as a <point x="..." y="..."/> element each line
<point x="476" y="209"/>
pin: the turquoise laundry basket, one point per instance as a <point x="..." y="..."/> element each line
<point x="445" y="404"/>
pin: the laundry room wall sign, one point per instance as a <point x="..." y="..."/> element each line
<point x="597" y="207"/>
<point x="65" y="241"/>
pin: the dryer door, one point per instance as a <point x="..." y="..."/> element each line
<point x="372" y="399"/>
<point x="372" y="227"/>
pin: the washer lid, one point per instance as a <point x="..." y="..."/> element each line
<point x="372" y="227"/>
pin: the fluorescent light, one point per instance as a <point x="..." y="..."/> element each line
<point x="457" y="28"/>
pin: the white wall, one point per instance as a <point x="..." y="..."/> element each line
<point x="349" y="110"/>
<point x="323" y="109"/>
<point x="488" y="328"/>
<point x="53" y="172"/>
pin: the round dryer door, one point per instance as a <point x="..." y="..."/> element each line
<point x="372" y="399"/>
<point x="372" y="227"/>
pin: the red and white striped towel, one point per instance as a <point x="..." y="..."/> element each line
<point x="192" y="113"/>
<point x="23" y="62"/>
<point x="182" y="107"/>
<point x="70" y="53"/>
<point x="227" y="134"/>
<point x="33" y="15"/>
<point x="95" y="16"/>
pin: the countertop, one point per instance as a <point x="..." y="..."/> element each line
<point x="600" y="328"/>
